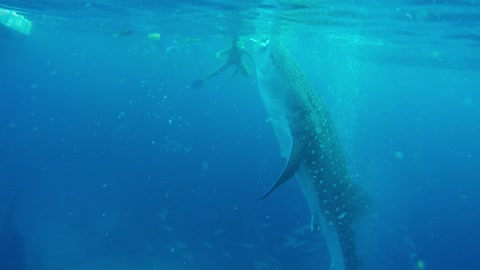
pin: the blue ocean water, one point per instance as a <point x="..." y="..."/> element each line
<point x="109" y="158"/>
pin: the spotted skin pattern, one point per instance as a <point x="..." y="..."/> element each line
<point x="316" y="158"/>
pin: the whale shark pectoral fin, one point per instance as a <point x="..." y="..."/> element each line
<point x="289" y="171"/>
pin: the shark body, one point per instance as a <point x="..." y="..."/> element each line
<point x="309" y="142"/>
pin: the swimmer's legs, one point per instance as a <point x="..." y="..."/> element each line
<point x="234" y="73"/>
<point x="244" y="69"/>
<point x="198" y="83"/>
<point x="241" y="68"/>
<point x="217" y="72"/>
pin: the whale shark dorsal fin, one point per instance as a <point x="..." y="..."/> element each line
<point x="289" y="171"/>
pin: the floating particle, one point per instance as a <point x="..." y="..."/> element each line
<point x="154" y="36"/>
<point x="342" y="215"/>
<point x="399" y="155"/>
<point x="420" y="264"/>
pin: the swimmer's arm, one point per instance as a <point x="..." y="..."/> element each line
<point x="222" y="52"/>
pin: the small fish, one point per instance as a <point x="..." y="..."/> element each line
<point x="163" y="214"/>
<point x="302" y="229"/>
<point x="180" y="244"/>
<point x="290" y="241"/>
<point x="207" y="244"/>
<point x="262" y="226"/>
<point x="218" y="232"/>
<point x="122" y="33"/>
<point x="166" y="227"/>
<point x="226" y="254"/>
<point x="247" y="245"/>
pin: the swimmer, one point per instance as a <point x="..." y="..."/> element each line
<point x="234" y="58"/>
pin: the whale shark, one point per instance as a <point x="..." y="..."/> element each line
<point x="309" y="142"/>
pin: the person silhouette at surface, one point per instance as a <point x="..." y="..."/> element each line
<point x="234" y="58"/>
